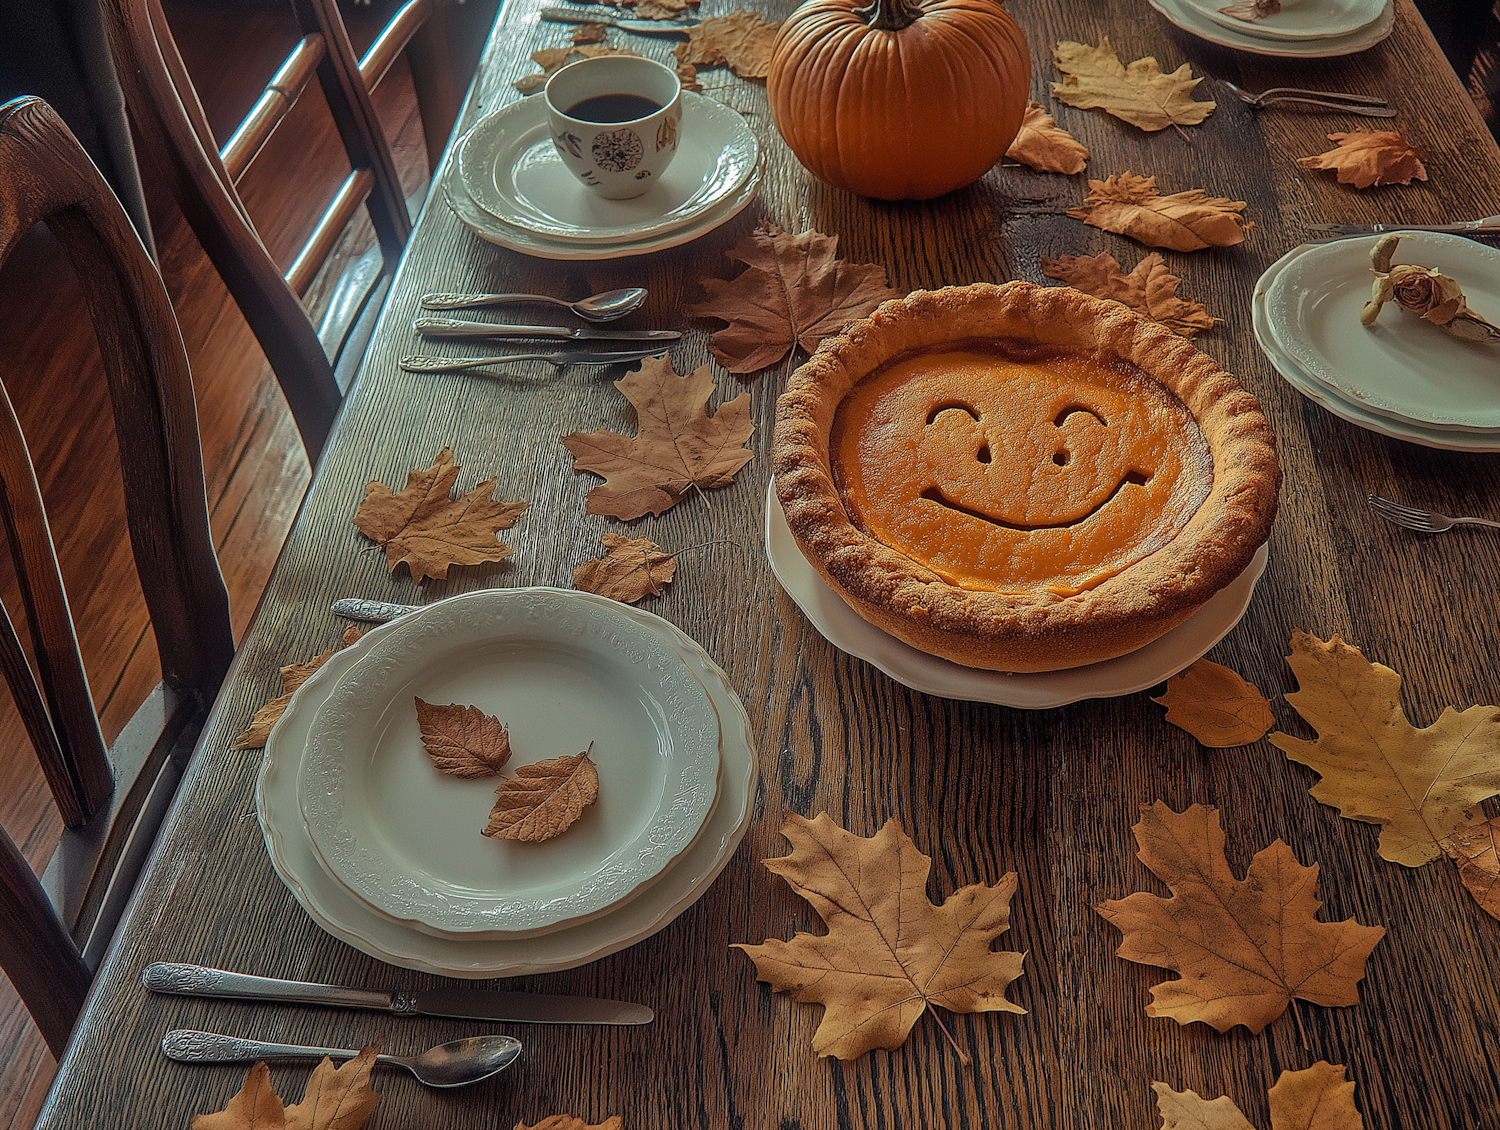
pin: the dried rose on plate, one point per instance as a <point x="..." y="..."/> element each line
<point x="1426" y="292"/>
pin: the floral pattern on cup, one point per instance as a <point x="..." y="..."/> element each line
<point x="618" y="151"/>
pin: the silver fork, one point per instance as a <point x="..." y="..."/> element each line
<point x="1422" y="521"/>
<point x="421" y="364"/>
<point x="1332" y="99"/>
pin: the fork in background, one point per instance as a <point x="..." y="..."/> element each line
<point x="1422" y="521"/>
<point x="1331" y="99"/>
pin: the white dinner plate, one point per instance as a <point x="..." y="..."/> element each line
<point x="1191" y="20"/>
<point x="1447" y="439"/>
<point x="511" y="168"/>
<point x="1401" y="366"/>
<point x="1298" y="19"/>
<point x="334" y="909"/>
<point x="564" y="675"/>
<point x="848" y="631"/>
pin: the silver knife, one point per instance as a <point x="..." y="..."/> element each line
<point x="1490" y="224"/>
<point x="473" y="1004"/>
<point x="420" y="364"/>
<point x="607" y="16"/>
<point x="457" y="327"/>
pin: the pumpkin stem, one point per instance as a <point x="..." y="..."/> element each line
<point x="889" y="15"/>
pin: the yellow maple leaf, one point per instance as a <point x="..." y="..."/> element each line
<point x="1316" y="1098"/>
<point x="1182" y="221"/>
<point x="1045" y="145"/>
<point x="1141" y="94"/>
<point x="1216" y="706"/>
<point x="1374" y="764"/>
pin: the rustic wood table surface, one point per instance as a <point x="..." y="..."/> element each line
<point x="984" y="789"/>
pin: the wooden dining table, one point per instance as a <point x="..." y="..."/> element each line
<point x="983" y="789"/>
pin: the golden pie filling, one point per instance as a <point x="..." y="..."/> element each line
<point x="1014" y="468"/>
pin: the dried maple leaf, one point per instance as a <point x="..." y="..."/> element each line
<point x="1094" y="78"/>
<point x="589" y="33"/>
<point x="1316" y="1098"/>
<point x="544" y="800"/>
<point x="741" y="40"/>
<point x="1244" y="948"/>
<point x="1149" y="289"/>
<point x="795" y="290"/>
<point x="631" y="570"/>
<point x="1473" y="847"/>
<point x="1251" y="10"/>
<point x="1375" y="765"/>
<point x="255" y="1107"/>
<point x="337" y="1098"/>
<point x="1184" y="221"/>
<point x="679" y="446"/>
<point x="889" y="952"/>
<point x="463" y="741"/>
<point x="1216" y="706"/>
<point x="1045" y="145"/>
<point x="293" y="675"/>
<point x="555" y="58"/>
<point x="1370" y="157"/>
<point x="430" y="531"/>
<point x="573" y="1122"/>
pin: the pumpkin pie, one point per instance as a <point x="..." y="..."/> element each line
<point x="1022" y="478"/>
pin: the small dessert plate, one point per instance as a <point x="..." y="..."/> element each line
<point x="1192" y="20"/>
<point x="1298" y="19"/>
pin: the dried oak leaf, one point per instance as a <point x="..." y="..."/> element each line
<point x="1045" y="145"/>
<point x="794" y="291"/>
<point x="740" y="40"/>
<point x="1370" y="157"/>
<point x="1375" y="765"/>
<point x="1244" y="948"/>
<point x="1216" y="706"/>
<point x="1094" y="78"/>
<point x="463" y="741"/>
<point x="1184" y="221"/>
<point x="293" y="675"/>
<point x="889" y="952"/>
<point x="555" y="58"/>
<point x="1475" y="848"/>
<point x="429" y="530"/>
<point x="1149" y="289"/>
<point x="1315" y="1098"/>
<point x="545" y="799"/>
<point x="1251" y="10"/>
<point x="630" y="570"/>
<point x="337" y="1098"/>
<point x="573" y="1122"/>
<point x="679" y="446"/>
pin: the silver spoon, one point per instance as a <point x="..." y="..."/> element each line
<point x="604" y="307"/>
<point x="453" y="1064"/>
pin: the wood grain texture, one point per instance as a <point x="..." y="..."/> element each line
<point x="983" y="789"/>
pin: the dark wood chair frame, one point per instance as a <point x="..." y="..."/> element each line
<point x="53" y="930"/>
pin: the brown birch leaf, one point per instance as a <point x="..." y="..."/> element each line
<point x="1216" y="706"/>
<point x="1366" y="158"/>
<point x="1374" y="764"/>
<point x="1149" y="288"/>
<point x="573" y="1122"/>
<point x="293" y="675"/>
<point x="678" y="447"/>
<point x="889" y="952"/>
<point x="430" y="531"/>
<point x="794" y="291"/>
<point x="1183" y="221"/>
<point x="740" y="40"/>
<point x="337" y="1098"/>
<point x="1141" y="94"/>
<point x="1475" y="848"/>
<point x="1252" y="10"/>
<point x="1045" y="145"/>
<point x="545" y="799"/>
<point x="630" y="570"/>
<point x="463" y="741"/>
<point x="1316" y="1098"/>
<point x="255" y="1107"/>
<point x="1244" y="947"/>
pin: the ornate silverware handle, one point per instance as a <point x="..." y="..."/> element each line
<point x="187" y="1046"/>
<point x="372" y="611"/>
<point x="202" y="981"/>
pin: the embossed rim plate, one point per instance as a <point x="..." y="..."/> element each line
<point x="1298" y="19"/>
<point x="1191" y="21"/>
<point x="562" y="674"/>
<point x="511" y="170"/>
<point x="843" y="627"/>
<point x="337" y="911"/>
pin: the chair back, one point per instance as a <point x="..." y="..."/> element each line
<point x="50" y="939"/>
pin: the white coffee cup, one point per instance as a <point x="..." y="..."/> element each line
<point x="615" y="121"/>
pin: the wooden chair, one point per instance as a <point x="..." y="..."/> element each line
<point x="179" y="146"/>
<point x="53" y="931"/>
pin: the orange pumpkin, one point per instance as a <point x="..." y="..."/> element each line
<point x="903" y="99"/>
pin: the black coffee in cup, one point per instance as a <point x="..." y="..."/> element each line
<point x="612" y="108"/>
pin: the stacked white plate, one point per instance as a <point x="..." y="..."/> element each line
<point x="1403" y="377"/>
<point x="507" y="184"/>
<point x="385" y="852"/>
<point x="1306" y="29"/>
<point x="848" y="631"/>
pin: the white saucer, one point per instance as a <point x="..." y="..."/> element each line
<point x="841" y="626"/>
<point x="1298" y="19"/>
<point x="1446" y="439"/>
<point x="346" y="918"/>
<point x="1191" y="20"/>
<point x="511" y="169"/>
<point x="1401" y="366"/>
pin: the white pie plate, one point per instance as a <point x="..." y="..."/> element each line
<point x="848" y="631"/>
<point x="1298" y="19"/>
<point x="334" y="909"/>
<point x="1189" y="19"/>
<point x="563" y="675"/>
<point x="1401" y="366"/>
<point x="511" y="169"/>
